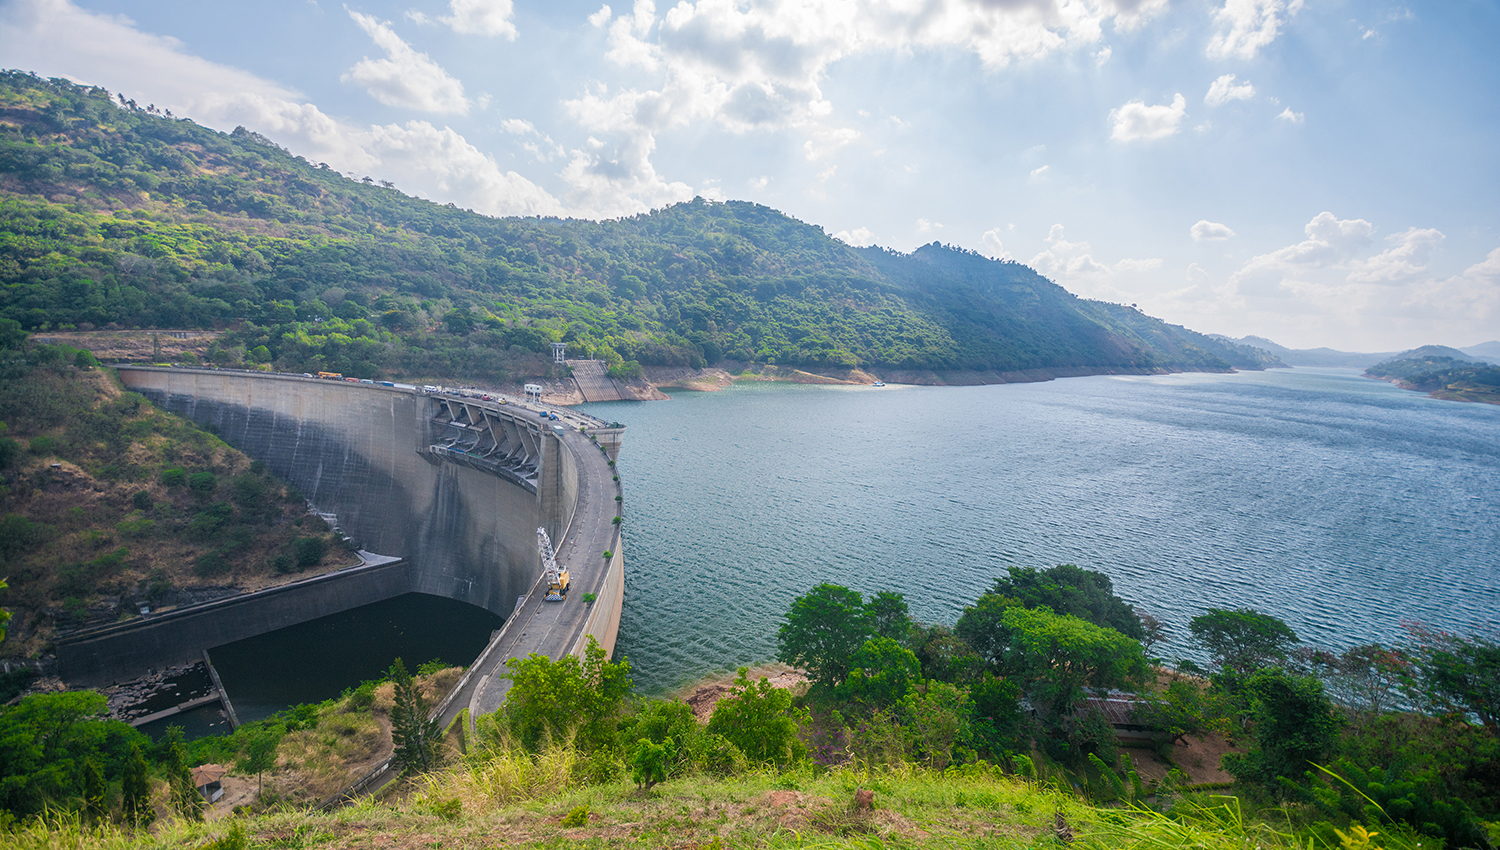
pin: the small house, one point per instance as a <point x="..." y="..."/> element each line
<point x="207" y="778"/>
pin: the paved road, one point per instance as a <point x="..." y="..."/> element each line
<point x="552" y="628"/>
<point x="537" y="626"/>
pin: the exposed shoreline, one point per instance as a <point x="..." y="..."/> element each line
<point x="657" y="379"/>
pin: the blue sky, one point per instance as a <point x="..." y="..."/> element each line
<point x="1313" y="171"/>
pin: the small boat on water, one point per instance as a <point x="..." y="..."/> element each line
<point x="878" y="384"/>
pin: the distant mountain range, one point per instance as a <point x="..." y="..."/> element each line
<point x="1485" y="352"/>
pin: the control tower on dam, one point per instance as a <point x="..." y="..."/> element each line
<point x="456" y="487"/>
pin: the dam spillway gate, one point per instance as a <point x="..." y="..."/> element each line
<point x="482" y="438"/>
<point x="454" y="487"/>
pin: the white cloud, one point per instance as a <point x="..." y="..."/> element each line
<point x="1211" y="231"/>
<point x="925" y="226"/>
<point x="1131" y="265"/>
<point x="405" y="78"/>
<point x="1405" y="260"/>
<point x="761" y="66"/>
<point x="481" y="17"/>
<point x="826" y="142"/>
<point x="1471" y="297"/>
<point x="859" y="237"/>
<point x="992" y="246"/>
<point x="1224" y="90"/>
<point x="1135" y="121"/>
<point x="56" y="38"/>
<point x="758" y="182"/>
<point x="1102" y="56"/>
<point x="419" y="154"/>
<point x="1039" y="173"/>
<point x="1196" y="273"/>
<point x="1246" y="26"/>
<point x="1335" y="288"/>
<point x="1288" y="115"/>
<point x="419" y="158"/>
<point x="1074" y="264"/>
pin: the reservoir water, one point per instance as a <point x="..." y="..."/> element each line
<point x="1340" y="504"/>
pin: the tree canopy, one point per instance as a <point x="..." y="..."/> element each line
<point x="1068" y="589"/>
<point x="823" y="630"/>
<point x="1243" y="640"/>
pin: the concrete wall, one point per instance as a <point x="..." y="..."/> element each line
<point x="360" y="451"/>
<point x="114" y="653"/>
<point x="604" y="619"/>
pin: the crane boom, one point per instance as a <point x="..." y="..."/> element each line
<point x="557" y="579"/>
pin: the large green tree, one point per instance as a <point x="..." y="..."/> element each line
<point x="1243" y="640"/>
<point x="1061" y="658"/>
<point x="1068" y="589"/>
<point x="882" y="672"/>
<point x="1296" y="729"/>
<point x="415" y="735"/>
<point x="981" y="627"/>
<point x="823" y="630"/>
<point x="571" y="698"/>
<point x="45" y="740"/>
<point x="759" y="720"/>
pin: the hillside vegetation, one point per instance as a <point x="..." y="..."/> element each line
<point x="106" y="501"/>
<point x="1432" y="369"/>
<point x="991" y="734"/>
<point x="117" y="216"/>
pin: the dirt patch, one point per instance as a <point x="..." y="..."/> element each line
<point x="1198" y="758"/>
<point x="135" y="346"/>
<point x="705" y="693"/>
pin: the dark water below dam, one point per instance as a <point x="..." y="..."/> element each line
<point x="317" y="660"/>
<point x="1338" y="503"/>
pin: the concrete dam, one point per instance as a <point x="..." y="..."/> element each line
<point x="453" y="487"/>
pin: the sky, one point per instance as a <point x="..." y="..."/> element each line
<point x="1316" y="172"/>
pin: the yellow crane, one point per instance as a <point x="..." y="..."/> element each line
<point x="557" y="579"/>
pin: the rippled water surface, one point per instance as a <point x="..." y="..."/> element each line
<point x="1341" y="504"/>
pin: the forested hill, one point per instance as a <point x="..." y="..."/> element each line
<point x="116" y="215"/>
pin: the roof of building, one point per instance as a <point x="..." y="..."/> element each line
<point x="208" y="774"/>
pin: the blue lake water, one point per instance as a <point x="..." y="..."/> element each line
<point x="1340" y="504"/>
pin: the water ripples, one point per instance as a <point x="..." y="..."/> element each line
<point x="1340" y="504"/>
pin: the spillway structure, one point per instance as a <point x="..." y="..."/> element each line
<point x="449" y="489"/>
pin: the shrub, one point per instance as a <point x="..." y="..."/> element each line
<point x="43" y="445"/>
<point x="648" y="762"/>
<point x="757" y="719"/>
<point x="136" y="527"/>
<point x="205" y="524"/>
<point x="211" y="564"/>
<point x="142" y="501"/>
<point x="173" y="477"/>
<point x="281" y="563"/>
<point x="310" y="551"/>
<point x="576" y="818"/>
<point x="202" y="483"/>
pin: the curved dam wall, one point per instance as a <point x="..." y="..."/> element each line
<point x="455" y="489"/>
<point x="362" y="452"/>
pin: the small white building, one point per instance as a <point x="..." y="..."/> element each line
<point x="534" y="392"/>
<point x="559" y="352"/>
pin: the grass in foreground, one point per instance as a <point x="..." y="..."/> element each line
<point x="511" y="800"/>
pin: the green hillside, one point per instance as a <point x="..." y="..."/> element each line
<point x="113" y="216"/>
<point x="1430" y="371"/>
